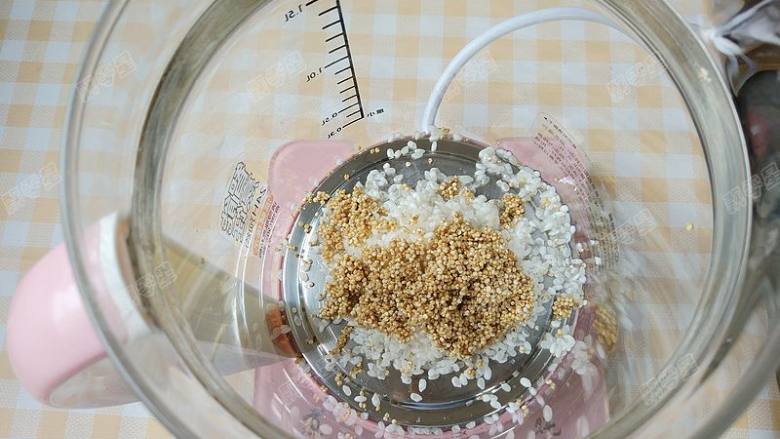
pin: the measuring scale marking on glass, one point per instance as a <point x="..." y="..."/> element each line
<point x="346" y="106"/>
<point x="512" y="388"/>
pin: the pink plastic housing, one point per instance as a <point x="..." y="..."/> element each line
<point x="51" y="340"/>
<point x="289" y="395"/>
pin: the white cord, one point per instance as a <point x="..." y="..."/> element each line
<point x="491" y="35"/>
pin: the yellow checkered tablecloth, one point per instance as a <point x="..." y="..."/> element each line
<point x="42" y="45"/>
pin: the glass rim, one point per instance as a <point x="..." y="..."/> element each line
<point x="726" y="237"/>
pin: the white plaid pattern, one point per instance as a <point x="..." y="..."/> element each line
<point x="43" y="41"/>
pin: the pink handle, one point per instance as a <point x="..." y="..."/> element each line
<point x="52" y="344"/>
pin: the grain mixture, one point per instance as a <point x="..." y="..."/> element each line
<point x="463" y="287"/>
<point x="434" y="280"/>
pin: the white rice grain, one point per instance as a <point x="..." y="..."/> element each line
<point x="547" y="413"/>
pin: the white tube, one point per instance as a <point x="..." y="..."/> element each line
<point x="491" y="35"/>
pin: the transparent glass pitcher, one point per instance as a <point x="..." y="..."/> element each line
<point x="199" y="128"/>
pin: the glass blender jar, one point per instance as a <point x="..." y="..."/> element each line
<point x="199" y="127"/>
